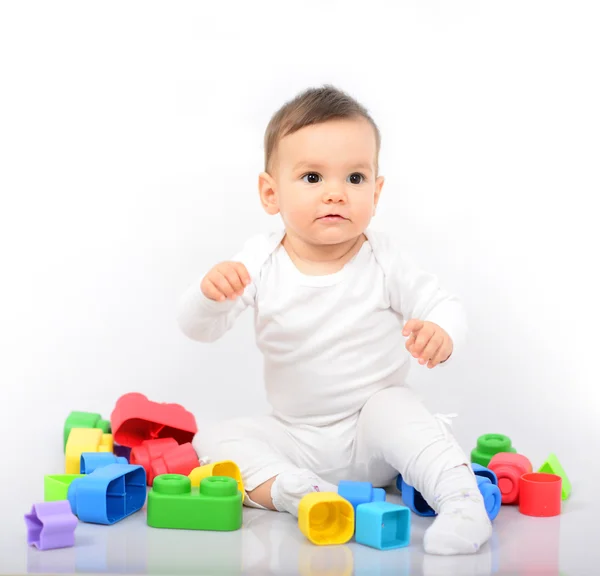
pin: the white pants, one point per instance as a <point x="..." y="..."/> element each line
<point x="393" y="433"/>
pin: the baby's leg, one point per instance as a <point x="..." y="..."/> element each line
<point x="395" y="427"/>
<point x="272" y="464"/>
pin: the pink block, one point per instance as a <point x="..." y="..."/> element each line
<point x="509" y="468"/>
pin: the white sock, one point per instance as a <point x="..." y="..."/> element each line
<point x="291" y="486"/>
<point x="462" y="525"/>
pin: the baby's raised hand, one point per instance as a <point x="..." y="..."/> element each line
<point x="225" y="280"/>
<point x="428" y="342"/>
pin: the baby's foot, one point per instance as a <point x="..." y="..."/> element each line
<point x="462" y="526"/>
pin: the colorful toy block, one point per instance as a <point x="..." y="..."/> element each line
<point x="508" y="468"/>
<point x="480" y="470"/>
<point x="492" y="498"/>
<point x="360" y="493"/>
<point x="122" y="451"/>
<point x="51" y="525"/>
<point x="413" y="499"/>
<point x="382" y="525"/>
<point x="85" y="440"/>
<point x="489" y="445"/>
<point x="148" y="450"/>
<point x="222" y="468"/>
<point x="173" y="504"/>
<point x="178" y="459"/>
<point x="326" y="518"/>
<point x="84" y="420"/>
<point x="91" y="460"/>
<point x="553" y="466"/>
<point x="541" y="494"/>
<point x="56" y="486"/>
<point x="108" y="494"/>
<point x="135" y="419"/>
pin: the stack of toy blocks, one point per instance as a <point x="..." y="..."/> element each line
<point x="506" y="477"/>
<point x="358" y="510"/>
<point x="109" y="464"/>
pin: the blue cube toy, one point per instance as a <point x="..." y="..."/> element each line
<point x="480" y="470"/>
<point x="414" y="500"/>
<point x="360" y="492"/>
<point x="92" y="460"/>
<point x="383" y="525"/>
<point x="492" y="498"/>
<point x="108" y="494"/>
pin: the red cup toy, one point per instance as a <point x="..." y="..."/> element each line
<point x="540" y="494"/>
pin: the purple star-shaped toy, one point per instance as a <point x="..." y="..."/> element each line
<point x="51" y="525"/>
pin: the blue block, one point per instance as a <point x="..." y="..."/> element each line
<point x="378" y="495"/>
<point x="415" y="501"/>
<point x="492" y="497"/>
<point x="480" y="470"/>
<point x="399" y="482"/>
<point x="383" y="525"/>
<point x="92" y="460"/>
<point x="108" y="494"/>
<point x="360" y="492"/>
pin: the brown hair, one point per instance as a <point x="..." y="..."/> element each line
<point x="313" y="106"/>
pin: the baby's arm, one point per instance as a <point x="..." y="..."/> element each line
<point x="417" y="294"/>
<point x="209" y="308"/>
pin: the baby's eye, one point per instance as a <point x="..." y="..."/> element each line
<point x="356" y="178"/>
<point x="311" y="178"/>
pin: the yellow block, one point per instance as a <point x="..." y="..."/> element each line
<point x="85" y="440"/>
<point x="223" y="468"/>
<point x="326" y="518"/>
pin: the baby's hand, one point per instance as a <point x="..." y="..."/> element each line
<point x="428" y="342"/>
<point x="225" y="280"/>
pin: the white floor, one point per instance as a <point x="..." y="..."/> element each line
<point x="271" y="543"/>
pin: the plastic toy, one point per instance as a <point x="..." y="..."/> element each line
<point x="223" y="468"/>
<point x="509" y="468"/>
<point x="85" y="440"/>
<point x="122" y="451"/>
<point x="108" y="494"/>
<point x="541" y="494"/>
<point x="360" y="493"/>
<point x="216" y="506"/>
<point x="84" y="420"/>
<point x="492" y="497"/>
<point x="489" y="445"/>
<point x="56" y="486"/>
<point x="89" y="461"/>
<point x="382" y="525"/>
<point x="148" y="450"/>
<point x="413" y="499"/>
<point x="51" y="525"/>
<point x="553" y="466"/>
<point x="326" y="518"/>
<point x="480" y="470"/>
<point x="135" y="419"/>
<point x="181" y="459"/>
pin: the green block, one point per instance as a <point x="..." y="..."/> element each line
<point x="488" y="446"/>
<point x="84" y="420"/>
<point x="553" y="466"/>
<point x="57" y="486"/>
<point x="172" y="503"/>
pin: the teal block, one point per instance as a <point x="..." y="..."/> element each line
<point x="382" y="525"/>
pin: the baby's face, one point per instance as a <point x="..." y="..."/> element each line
<point x="324" y="181"/>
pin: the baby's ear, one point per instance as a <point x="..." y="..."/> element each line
<point x="378" y="186"/>
<point x="268" y="194"/>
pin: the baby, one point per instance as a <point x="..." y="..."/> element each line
<point x="338" y="313"/>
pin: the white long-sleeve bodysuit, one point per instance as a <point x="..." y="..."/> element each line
<point x="333" y="353"/>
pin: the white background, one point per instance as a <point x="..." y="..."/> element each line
<point x="130" y="144"/>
